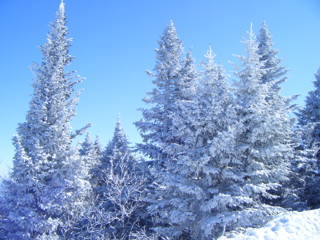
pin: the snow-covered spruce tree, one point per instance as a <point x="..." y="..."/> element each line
<point x="119" y="142"/>
<point x="165" y="197"/>
<point x="263" y="140"/>
<point x="90" y="152"/>
<point x="310" y="114"/>
<point x="291" y="193"/>
<point x="294" y="193"/>
<point x="155" y="125"/>
<point x="187" y="203"/>
<point x="309" y="119"/>
<point x="47" y="190"/>
<point x="214" y="155"/>
<point x="120" y="193"/>
<point x="276" y="74"/>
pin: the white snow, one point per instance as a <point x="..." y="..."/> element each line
<point x="288" y="226"/>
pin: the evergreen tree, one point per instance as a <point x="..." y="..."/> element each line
<point x="275" y="74"/>
<point x="121" y="144"/>
<point x="118" y="143"/>
<point x="263" y="139"/>
<point x="47" y="177"/>
<point x="215" y="141"/>
<point x="310" y="115"/>
<point x="309" y="118"/>
<point x="90" y="152"/>
<point x="294" y="193"/>
<point x="186" y="197"/>
<point x="166" y="193"/>
<point x="120" y="192"/>
<point x="155" y="125"/>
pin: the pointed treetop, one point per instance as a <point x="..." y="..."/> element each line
<point x="86" y="145"/>
<point x="268" y="54"/>
<point x="264" y="36"/>
<point x="251" y="34"/>
<point x="189" y="62"/>
<point x="251" y="43"/>
<point x="264" y="23"/>
<point x="118" y="129"/>
<point x="62" y="8"/>
<point x="214" y="79"/>
<point x="264" y="27"/>
<point x="119" y="133"/>
<point x="209" y="55"/>
<point x="61" y="4"/>
<point x="119" y="140"/>
<point x="119" y="120"/>
<point x="171" y="24"/>
<point x="189" y="57"/>
<point x="211" y="69"/>
<point x="186" y="83"/>
<point x="171" y="28"/>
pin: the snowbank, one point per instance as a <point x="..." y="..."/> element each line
<point x="289" y="226"/>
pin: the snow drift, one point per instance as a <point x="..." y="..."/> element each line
<point x="288" y="226"/>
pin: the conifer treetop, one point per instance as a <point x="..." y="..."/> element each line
<point x="268" y="55"/>
<point x="62" y="7"/>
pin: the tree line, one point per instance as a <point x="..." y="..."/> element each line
<point x="215" y="158"/>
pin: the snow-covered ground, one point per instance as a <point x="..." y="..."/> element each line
<point x="288" y="226"/>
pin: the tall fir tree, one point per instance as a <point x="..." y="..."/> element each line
<point x="155" y="125"/>
<point x="47" y="177"/>
<point x="168" y="177"/>
<point x="215" y="141"/>
<point x="204" y="122"/>
<point x="276" y="74"/>
<point x="263" y="139"/>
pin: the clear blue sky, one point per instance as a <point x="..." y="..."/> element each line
<point x="114" y="42"/>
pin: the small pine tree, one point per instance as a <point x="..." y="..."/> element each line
<point x="119" y="193"/>
<point x="90" y="153"/>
